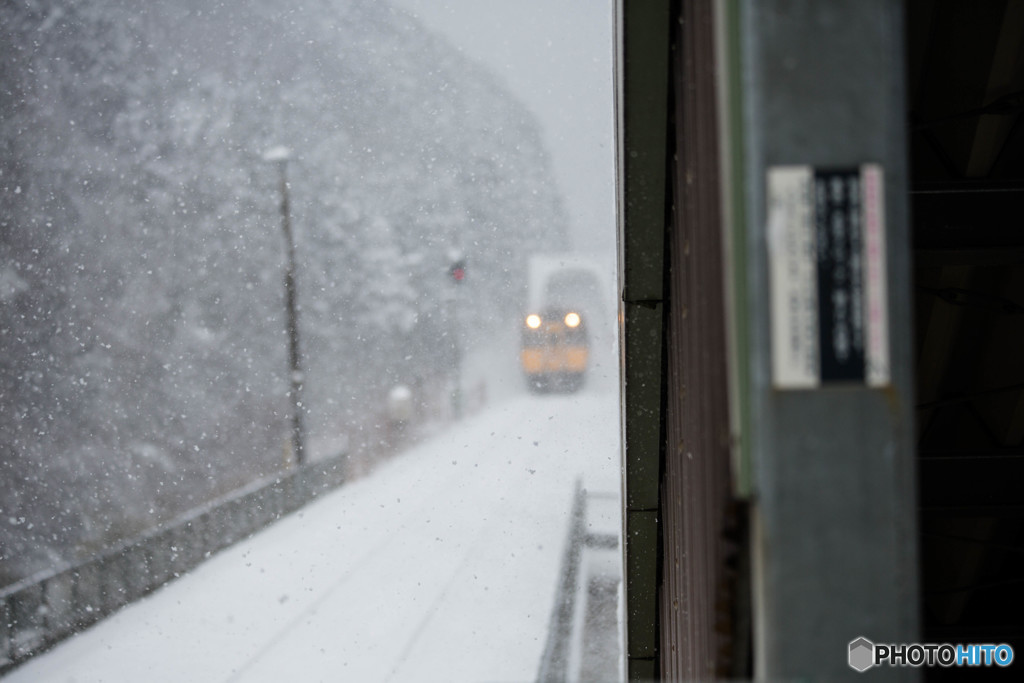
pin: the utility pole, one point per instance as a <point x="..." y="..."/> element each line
<point x="279" y="156"/>
<point x="457" y="273"/>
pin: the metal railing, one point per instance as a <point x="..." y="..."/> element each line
<point x="573" y="634"/>
<point x="45" y="608"/>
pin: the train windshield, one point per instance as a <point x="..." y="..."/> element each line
<point x="309" y="341"/>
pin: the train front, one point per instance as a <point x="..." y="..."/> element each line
<point x="555" y="351"/>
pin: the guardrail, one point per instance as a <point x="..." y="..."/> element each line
<point x="587" y="595"/>
<point x="41" y="610"/>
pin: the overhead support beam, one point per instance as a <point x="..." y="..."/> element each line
<point x="968" y="217"/>
<point x="985" y="483"/>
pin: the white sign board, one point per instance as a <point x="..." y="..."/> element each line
<point x="827" y="269"/>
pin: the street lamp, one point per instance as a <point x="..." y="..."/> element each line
<point x="279" y="155"/>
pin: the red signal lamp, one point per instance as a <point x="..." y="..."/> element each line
<point x="458" y="271"/>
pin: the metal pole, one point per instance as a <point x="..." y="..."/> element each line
<point x="833" y="517"/>
<point x="457" y="349"/>
<point x="457" y="274"/>
<point x="294" y="359"/>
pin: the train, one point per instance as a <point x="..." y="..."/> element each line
<point x="555" y="350"/>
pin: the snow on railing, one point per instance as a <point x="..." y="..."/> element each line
<point x="45" y="608"/>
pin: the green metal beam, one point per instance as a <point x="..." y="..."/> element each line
<point x="728" y="45"/>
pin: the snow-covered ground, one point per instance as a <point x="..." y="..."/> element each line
<point x="441" y="565"/>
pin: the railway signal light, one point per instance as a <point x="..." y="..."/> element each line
<point x="457" y="271"/>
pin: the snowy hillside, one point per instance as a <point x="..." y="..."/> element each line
<point x="142" y="352"/>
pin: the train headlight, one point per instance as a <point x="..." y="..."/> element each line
<point x="572" y="319"/>
<point x="533" y="321"/>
